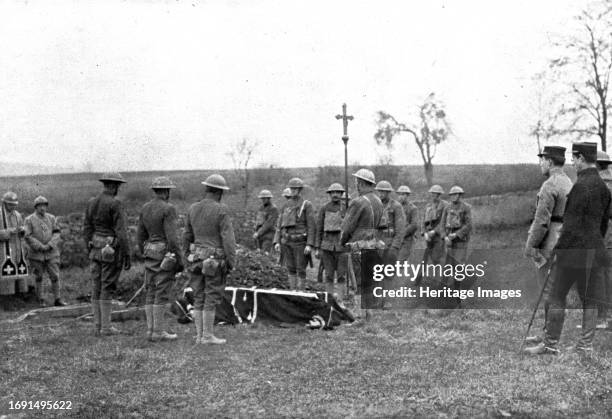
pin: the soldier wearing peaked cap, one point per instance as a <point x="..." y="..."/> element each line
<point x="158" y="242"/>
<point x="580" y="252"/>
<point x="265" y="224"/>
<point x="411" y="214"/>
<point x="13" y="269"/>
<point x="548" y="219"/>
<point x="209" y="246"/>
<point x="42" y="235"/>
<point x="433" y="229"/>
<point x="457" y="222"/>
<point x="105" y="231"/>
<point x="605" y="307"/>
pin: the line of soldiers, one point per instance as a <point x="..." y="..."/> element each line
<point x="570" y="242"/>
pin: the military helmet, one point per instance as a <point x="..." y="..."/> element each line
<point x="404" y="189"/>
<point x="603" y="157"/>
<point x="216" y="181"/>
<point x="384" y="185"/>
<point x="10" y="198"/>
<point x="40" y="200"/>
<point x="295" y="182"/>
<point x="114" y="177"/>
<point x="162" y="182"/>
<point x="335" y="187"/>
<point x="365" y="174"/>
<point x="286" y="192"/>
<point x="436" y="189"/>
<point x="455" y="190"/>
<point x="264" y="194"/>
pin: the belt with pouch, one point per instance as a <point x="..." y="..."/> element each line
<point x="295" y="237"/>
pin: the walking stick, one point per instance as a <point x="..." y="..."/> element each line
<point x="535" y="309"/>
<point x="139" y="290"/>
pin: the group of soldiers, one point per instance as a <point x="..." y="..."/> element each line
<point x="570" y="243"/>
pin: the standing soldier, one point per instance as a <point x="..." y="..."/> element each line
<point x="265" y="225"/>
<point x="105" y="231"/>
<point x="603" y="161"/>
<point x="433" y="229"/>
<point x="13" y="268"/>
<point x="328" y="248"/>
<point x="158" y="242"/>
<point x="457" y="221"/>
<point x="580" y="252"/>
<point x="391" y="229"/>
<point x="410" y="212"/>
<point x="359" y="227"/>
<point x="43" y="236"/>
<point x="548" y="219"/>
<point x="287" y="193"/>
<point x="210" y="248"/>
<point x="295" y="231"/>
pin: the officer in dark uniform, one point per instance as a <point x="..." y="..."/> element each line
<point x="411" y="214"/>
<point x="105" y="231"/>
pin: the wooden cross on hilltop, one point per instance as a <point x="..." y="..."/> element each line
<point x="345" y="118"/>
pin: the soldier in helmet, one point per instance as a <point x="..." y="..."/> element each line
<point x="433" y="229"/>
<point x="287" y="193"/>
<point x="105" y="231"/>
<point x="411" y="214"/>
<point x="295" y="231"/>
<point x="328" y="248"/>
<point x="457" y="221"/>
<point x="265" y="225"/>
<point x="391" y="228"/>
<point x="548" y="219"/>
<point x="210" y="249"/>
<point x="43" y="236"/>
<point x="360" y="225"/>
<point x="603" y="161"/>
<point x="158" y="242"/>
<point x="12" y="232"/>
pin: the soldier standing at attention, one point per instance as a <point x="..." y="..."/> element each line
<point x="158" y="242"/>
<point x="548" y="220"/>
<point x="105" y="231"/>
<point x="433" y="229"/>
<point x="603" y="161"/>
<point x="43" y="236"/>
<point x="580" y="252"/>
<point x="296" y="231"/>
<point x="265" y="224"/>
<point x="210" y="248"/>
<point x="411" y="214"/>
<point x="457" y="221"/>
<point x="328" y="248"/>
<point x="13" y="269"/>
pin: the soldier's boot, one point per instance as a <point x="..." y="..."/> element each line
<point x="106" y="329"/>
<point x="292" y="282"/>
<point x="537" y="338"/>
<point x="57" y="301"/>
<point x="554" y="325"/>
<point x="160" y="332"/>
<point x="198" y="320"/>
<point x="207" y="330"/>
<point x="589" y="321"/>
<point x="95" y="308"/>
<point x="38" y="291"/>
<point x="150" y="320"/>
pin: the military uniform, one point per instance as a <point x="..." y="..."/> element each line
<point x="333" y="254"/>
<point x="43" y="238"/>
<point x="265" y="226"/>
<point x="434" y="251"/>
<point x="457" y="220"/>
<point x="296" y="229"/>
<point x="606" y="305"/>
<point x="411" y="215"/>
<point x="12" y="272"/>
<point x="391" y="230"/>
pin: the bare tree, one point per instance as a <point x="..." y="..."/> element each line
<point x="241" y="154"/>
<point x="543" y="110"/>
<point x="581" y="66"/>
<point x="431" y="129"/>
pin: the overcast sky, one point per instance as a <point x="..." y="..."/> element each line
<point x="147" y="85"/>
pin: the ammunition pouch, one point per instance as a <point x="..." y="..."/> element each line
<point x="208" y="261"/>
<point x="293" y="237"/>
<point x="102" y="248"/>
<point x="366" y="245"/>
<point x="155" y="250"/>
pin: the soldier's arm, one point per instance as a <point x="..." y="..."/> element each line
<point x="56" y="237"/>
<point x="120" y="227"/>
<point x="141" y="233"/>
<point x="604" y="218"/>
<point x="466" y="226"/>
<point x="541" y="219"/>
<point x="277" y="233"/>
<point x="269" y="223"/>
<point x="399" y="227"/>
<point x="88" y="227"/>
<point x="350" y="221"/>
<point x="440" y="229"/>
<point x="311" y="224"/>
<point x="227" y="236"/>
<point x="32" y="241"/>
<point x="320" y="224"/>
<point x="188" y="235"/>
<point x="412" y="223"/>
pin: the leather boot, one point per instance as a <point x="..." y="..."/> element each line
<point x="554" y="325"/>
<point x="589" y="320"/>
<point x="106" y="329"/>
<point x="207" y="331"/>
<point x="150" y="320"/>
<point x="160" y="333"/>
<point x="292" y="282"/>
<point x="198" y="319"/>
<point x="95" y="308"/>
<point x="38" y="291"/>
<point x="57" y="301"/>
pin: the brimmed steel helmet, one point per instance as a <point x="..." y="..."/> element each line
<point x="264" y="194"/>
<point x="404" y="189"/>
<point x="286" y="192"/>
<point x="335" y="187"/>
<point x="365" y="174"/>
<point x="436" y="189"/>
<point x="216" y="181"/>
<point x="114" y="177"/>
<point x="10" y="198"/>
<point x="603" y="157"/>
<point x="455" y="190"/>
<point x="162" y="182"/>
<point x="40" y="200"/>
<point x="384" y="185"/>
<point x="295" y="182"/>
